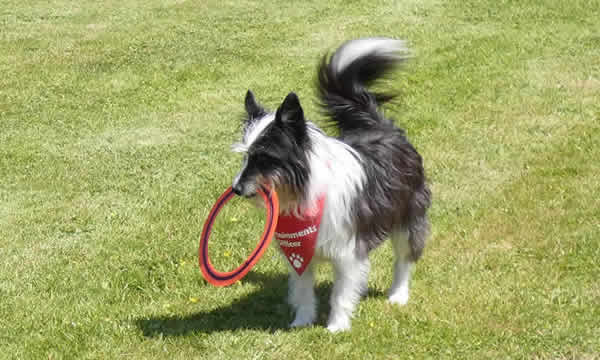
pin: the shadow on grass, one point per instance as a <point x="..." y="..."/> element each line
<point x="264" y="309"/>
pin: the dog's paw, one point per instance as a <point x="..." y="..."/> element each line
<point x="301" y="322"/>
<point x="338" y="322"/>
<point x="304" y="317"/>
<point x="339" y="326"/>
<point x="399" y="298"/>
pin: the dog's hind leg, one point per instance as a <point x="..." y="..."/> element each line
<point x="399" y="291"/>
<point x="351" y="276"/>
<point x="409" y="245"/>
<point x="302" y="297"/>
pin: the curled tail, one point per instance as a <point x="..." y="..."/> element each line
<point x="344" y="78"/>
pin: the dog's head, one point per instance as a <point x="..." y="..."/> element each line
<point x="275" y="147"/>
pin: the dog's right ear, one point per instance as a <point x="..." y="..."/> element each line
<point x="253" y="108"/>
<point x="291" y="116"/>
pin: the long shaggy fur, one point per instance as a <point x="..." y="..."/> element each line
<point x="372" y="176"/>
<point x="395" y="195"/>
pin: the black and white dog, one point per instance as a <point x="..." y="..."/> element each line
<point x="371" y="177"/>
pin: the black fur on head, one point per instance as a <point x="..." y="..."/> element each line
<point x="279" y="155"/>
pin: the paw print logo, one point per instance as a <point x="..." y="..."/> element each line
<point x="296" y="260"/>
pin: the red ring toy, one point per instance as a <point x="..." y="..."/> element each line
<point x="227" y="278"/>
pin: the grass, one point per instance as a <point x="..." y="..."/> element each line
<point x="115" y="122"/>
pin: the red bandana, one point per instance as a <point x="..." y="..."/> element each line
<point x="298" y="236"/>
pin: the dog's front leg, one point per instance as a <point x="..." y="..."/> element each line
<point x="302" y="297"/>
<point x="351" y="276"/>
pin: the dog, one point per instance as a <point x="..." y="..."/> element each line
<point x="369" y="180"/>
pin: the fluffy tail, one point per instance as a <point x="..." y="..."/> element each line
<point x="344" y="79"/>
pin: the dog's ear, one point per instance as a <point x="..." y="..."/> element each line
<point x="291" y="116"/>
<point x="253" y="108"/>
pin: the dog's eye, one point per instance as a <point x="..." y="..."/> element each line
<point x="265" y="158"/>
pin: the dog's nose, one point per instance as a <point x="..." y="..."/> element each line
<point x="238" y="189"/>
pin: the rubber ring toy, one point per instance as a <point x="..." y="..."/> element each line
<point x="218" y="278"/>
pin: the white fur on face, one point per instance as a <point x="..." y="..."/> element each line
<point x="253" y="132"/>
<point x="237" y="177"/>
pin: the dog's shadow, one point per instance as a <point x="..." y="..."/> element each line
<point x="265" y="309"/>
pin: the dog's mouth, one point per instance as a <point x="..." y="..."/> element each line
<point x="250" y="189"/>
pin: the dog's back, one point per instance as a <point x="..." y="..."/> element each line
<point x="395" y="196"/>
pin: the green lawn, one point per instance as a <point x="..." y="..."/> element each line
<point x="115" y="124"/>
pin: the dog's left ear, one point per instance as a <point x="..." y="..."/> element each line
<point x="253" y="108"/>
<point x="291" y="116"/>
